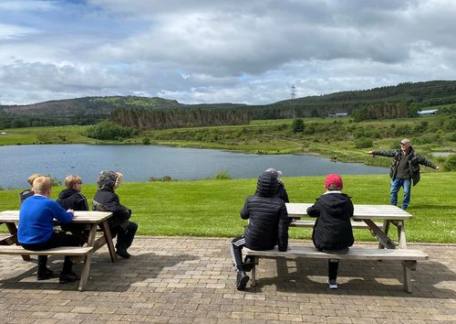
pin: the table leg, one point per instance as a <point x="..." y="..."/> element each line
<point x="401" y="234"/>
<point x="13" y="231"/>
<point x="92" y="235"/>
<point x="108" y="238"/>
<point x="380" y="235"/>
<point x="386" y="225"/>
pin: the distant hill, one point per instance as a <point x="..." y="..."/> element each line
<point x="414" y="95"/>
<point x="399" y="99"/>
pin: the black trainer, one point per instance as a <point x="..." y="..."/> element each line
<point x="241" y="280"/>
<point x="45" y="274"/>
<point x="68" y="277"/>
<point x="123" y="253"/>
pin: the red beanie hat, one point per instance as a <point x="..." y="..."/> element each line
<point x="333" y="182"/>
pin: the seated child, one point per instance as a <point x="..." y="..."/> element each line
<point x="72" y="198"/>
<point x="268" y="224"/>
<point x="281" y="192"/>
<point x="332" y="230"/>
<point x="107" y="200"/>
<point x="36" y="232"/>
<point x="28" y="192"/>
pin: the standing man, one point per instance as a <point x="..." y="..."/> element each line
<point x="405" y="170"/>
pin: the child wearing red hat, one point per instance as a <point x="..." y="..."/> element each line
<point x="332" y="230"/>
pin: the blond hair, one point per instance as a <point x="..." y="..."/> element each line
<point x="119" y="178"/>
<point x="33" y="177"/>
<point x="71" y="180"/>
<point x="42" y="185"/>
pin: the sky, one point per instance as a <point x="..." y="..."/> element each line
<point x="208" y="51"/>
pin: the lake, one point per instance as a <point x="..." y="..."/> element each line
<point x="140" y="162"/>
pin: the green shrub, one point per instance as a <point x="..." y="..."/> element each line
<point x="451" y="137"/>
<point x="146" y="141"/>
<point x="450" y="164"/>
<point x="363" y="143"/>
<point x="450" y="124"/>
<point x="162" y="179"/>
<point x="222" y="175"/>
<point x="107" y="130"/>
<point x="297" y="126"/>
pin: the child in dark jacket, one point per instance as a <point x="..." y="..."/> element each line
<point x="72" y="198"/>
<point x="28" y="192"/>
<point x="268" y="225"/>
<point x="107" y="200"/>
<point x="332" y="230"/>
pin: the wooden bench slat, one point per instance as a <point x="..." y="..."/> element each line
<point x="355" y="253"/>
<point x="64" y="250"/>
<point x="310" y="223"/>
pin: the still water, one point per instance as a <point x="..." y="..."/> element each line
<point x="139" y="163"/>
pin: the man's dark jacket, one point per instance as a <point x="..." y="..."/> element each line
<point x="332" y="229"/>
<point x="267" y="214"/>
<point x="413" y="161"/>
<point x="72" y="199"/>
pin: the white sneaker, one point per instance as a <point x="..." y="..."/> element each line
<point x="332" y="284"/>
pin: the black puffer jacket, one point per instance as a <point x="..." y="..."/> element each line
<point x="72" y="199"/>
<point x="267" y="214"/>
<point x="108" y="200"/>
<point x="332" y="230"/>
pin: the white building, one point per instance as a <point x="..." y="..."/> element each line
<point x="339" y="114"/>
<point x="428" y="112"/>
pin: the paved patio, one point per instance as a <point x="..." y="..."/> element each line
<point x="191" y="280"/>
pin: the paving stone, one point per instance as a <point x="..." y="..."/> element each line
<point x="191" y="280"/>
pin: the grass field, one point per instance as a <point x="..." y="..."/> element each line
<point x="211" y="207"/>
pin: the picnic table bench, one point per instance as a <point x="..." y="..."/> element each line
<point x="386" y="249"/>
<point x="94" y="219"/>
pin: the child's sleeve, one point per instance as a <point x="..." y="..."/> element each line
<point x="314" y="210"/>
<point x="245" y="211"/>
<point x="61" y="214"/>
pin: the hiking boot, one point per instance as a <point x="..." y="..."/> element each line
<point x="241" y="280"/>
<point x="68" y="277"/>
<point x="45" y="274"/>
<point x="123" y="253"/>
<point x="332" y="283"/>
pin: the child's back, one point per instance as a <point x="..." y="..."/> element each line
<point x="332" y="230"/>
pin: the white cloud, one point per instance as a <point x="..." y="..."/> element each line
<point x="221" y="51"/>
<point x="11" y="32"/>
<point x="26" y="5"/>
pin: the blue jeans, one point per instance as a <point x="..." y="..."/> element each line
<point x="396" y="184"/>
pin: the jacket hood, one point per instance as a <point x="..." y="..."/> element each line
<point x="267" y="185"/>
<point x="67" y="193"/>
<point x="334" y="201"/>
<point x="107" y="180"/>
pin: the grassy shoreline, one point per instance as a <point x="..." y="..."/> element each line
<point x="338" y="139"/>
<point x="210" y="208"/>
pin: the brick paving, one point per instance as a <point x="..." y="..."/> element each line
<point x="191" y="280"/>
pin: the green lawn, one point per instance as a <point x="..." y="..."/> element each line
<point x="211" y="207"/>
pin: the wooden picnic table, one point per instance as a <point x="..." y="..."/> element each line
<point x="391" y="215"/>
<point x="94" y="219"/>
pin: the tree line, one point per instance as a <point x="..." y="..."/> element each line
<point x="176" y="118"/>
